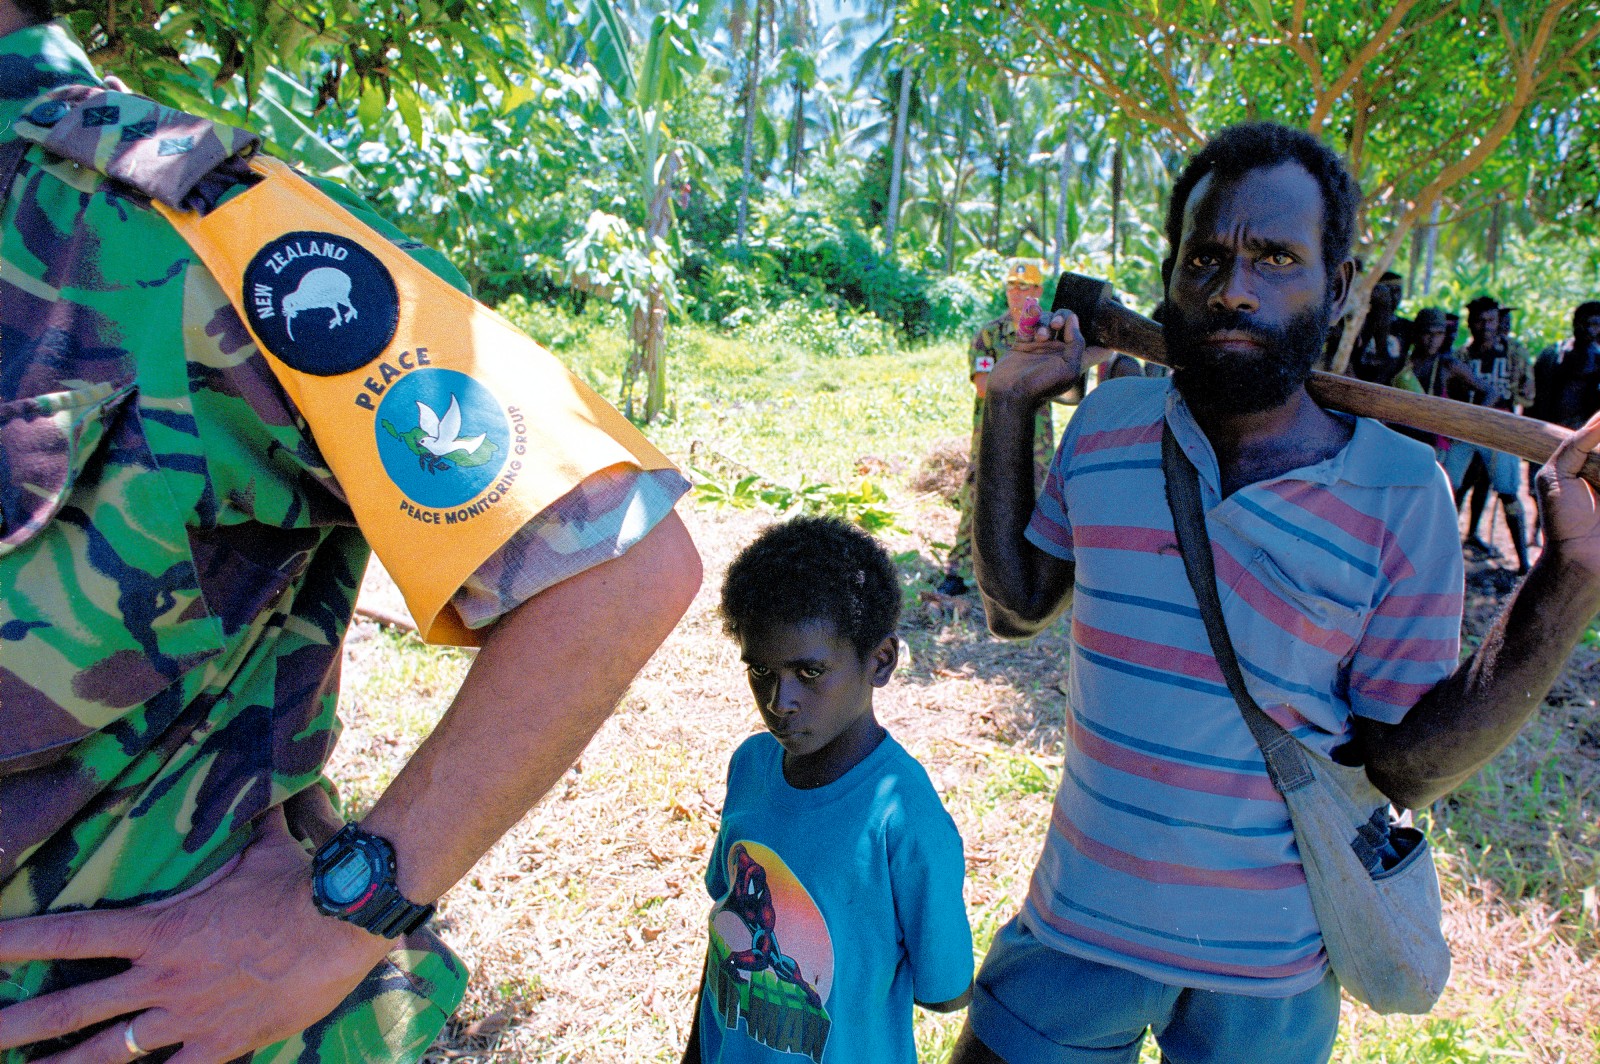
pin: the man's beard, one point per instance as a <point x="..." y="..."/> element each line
<point x="1216" y="382"/>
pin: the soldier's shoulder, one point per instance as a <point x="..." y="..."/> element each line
<point x="154" y="151"/>
<point x="992" y="328"/>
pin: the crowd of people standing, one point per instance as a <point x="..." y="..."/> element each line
<point x="1560" y="385"/>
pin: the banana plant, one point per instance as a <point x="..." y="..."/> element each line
<point x="645" y="81"/>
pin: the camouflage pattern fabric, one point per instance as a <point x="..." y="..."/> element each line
<point x="991" y="344"/>
<point x="177" y="564"/>
<point x="161" y="153"/>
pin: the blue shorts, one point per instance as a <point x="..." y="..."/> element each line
<point x="1505" y="470"/>
<point x="1033" y="1004"/>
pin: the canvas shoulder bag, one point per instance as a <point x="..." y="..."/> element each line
<point x="1379" y="918"/>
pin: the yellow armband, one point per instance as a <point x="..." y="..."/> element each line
<point x="447" y="428"/>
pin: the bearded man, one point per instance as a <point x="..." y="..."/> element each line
<point x="1170" y="897"/>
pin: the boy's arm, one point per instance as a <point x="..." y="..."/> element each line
<point x="927" y="871"/>
<point x="955" y="1004"/>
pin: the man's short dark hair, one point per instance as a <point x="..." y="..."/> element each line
<point x="1584" y="312"/>
<point x="813" y="569"/>
<point x="1240" y="149"/>
<point x="37" y="11"/>
<point x="1481" y="304"/>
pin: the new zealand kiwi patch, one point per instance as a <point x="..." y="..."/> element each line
<point x="321" y="303"/>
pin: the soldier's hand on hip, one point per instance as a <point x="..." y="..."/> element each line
<point x="239" y="962"/>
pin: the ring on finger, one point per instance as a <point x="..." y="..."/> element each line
<point x="131" y="1043"/>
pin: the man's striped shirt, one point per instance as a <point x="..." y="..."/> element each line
<point x="1170" y="853"/>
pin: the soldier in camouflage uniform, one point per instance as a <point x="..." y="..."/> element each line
<point x="1024" y="282"/>
<point x="177" y="570"/>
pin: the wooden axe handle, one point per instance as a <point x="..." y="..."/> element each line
<point x="1106" y="323"/>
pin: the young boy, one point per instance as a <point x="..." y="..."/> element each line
<point x="837" y="872"/>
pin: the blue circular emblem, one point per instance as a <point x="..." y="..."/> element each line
<point x="321" y="303"/>
<point x="443" y="437"/>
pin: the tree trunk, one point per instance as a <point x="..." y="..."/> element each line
<point x="1416" y="260"/>
<point x="1002" y="163"/>
<point x="1355" y="316"/>
<point x="1116" y="203"/>
<point x="956" y="184"/>
<point x="648" y="328"/>
<point x="655" y="356"/>
<point x="1433" y="246"/>
<point x="1062" y="200"/>
<point x="1044" y="209"/>
<point x="752" y="87"/>
<point x="1495" y="238"/>
<point x="950" y="221"/>
<point x="897" y="162"/>
<point x="797" y="135"/>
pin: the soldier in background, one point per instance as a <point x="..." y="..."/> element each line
<point x="1024" y="283"/>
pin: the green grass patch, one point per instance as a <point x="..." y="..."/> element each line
<point x="779" y="406"/>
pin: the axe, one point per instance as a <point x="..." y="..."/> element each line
<point x="1107" y="323"/>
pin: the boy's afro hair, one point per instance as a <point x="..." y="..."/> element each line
<point x="813" y="569"/>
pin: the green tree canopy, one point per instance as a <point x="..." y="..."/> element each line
<point x="1473" y="102"/>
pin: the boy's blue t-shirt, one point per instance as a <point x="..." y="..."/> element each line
<point x="835" y="907"/>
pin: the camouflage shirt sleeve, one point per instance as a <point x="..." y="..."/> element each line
<point x="598" y="520"/>
<point x="987" y="348"/>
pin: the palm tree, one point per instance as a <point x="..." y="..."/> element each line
<point x="739" y="22"/>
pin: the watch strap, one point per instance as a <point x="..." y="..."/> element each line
<point x="390" y="914"/>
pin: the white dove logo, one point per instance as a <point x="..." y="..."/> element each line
<point x="442" y="434"/>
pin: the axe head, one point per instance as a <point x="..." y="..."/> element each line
<point x="1081" y="295"/>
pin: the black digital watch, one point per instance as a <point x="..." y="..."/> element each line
<point x="353" y="878"/>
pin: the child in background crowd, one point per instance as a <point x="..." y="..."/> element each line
<point x="837" y="872"/>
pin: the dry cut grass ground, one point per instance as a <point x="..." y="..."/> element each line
<point x="585" y="925"/>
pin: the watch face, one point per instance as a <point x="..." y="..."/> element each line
<point x="347" y="879"/>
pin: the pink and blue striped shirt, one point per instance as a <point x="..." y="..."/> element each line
<point x="1169" y="851"/>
